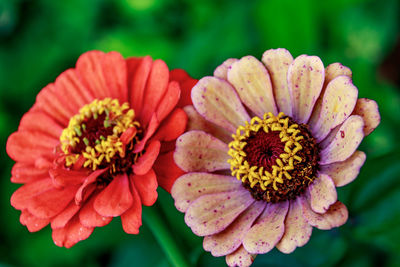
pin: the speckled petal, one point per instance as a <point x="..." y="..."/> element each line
<point x="268" y="229"/>
<point x="277" y="62"/>
<point x="346" y="171"/>
<point x="297" y="229"/>
<point x="368" y="110"/>
<point x="216" y="100"/>
<point x="230" y="239"/>
<point x="331" y="72"/>
<point x="322" y="193"/>
<point x="211" y="214"/>
<point x="200" y="151"/>
<point x="341" y="143"/>
<point x="191" y="186"/>
<point x="222" y="70"/>
<point x="240" y="258"/>
<point x="253" y="85"/>
<point x="305" y="79"/>
<point x="335" y="216"/>
<point x="197" y="122"/>
<point x="337" y="104"/>
<point x="334" y="70"/>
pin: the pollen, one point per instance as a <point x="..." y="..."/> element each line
<point x="266" y="155"/>
<point x="93" y="136"/>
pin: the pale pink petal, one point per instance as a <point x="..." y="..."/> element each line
<point x="368" y="110"/>
<point x="297" y="230"/>
<point x="191" y="186"/>
<point x="305" y="79"/>
<point x="253" y="85"/>
<point x="197" y="122"/>
<point x="337" y="103"/>
<point x="200" y="151"/>
<point x="231" y="238"/>
<point x="321" y="193"/>
<point x="222" y="70"/>
<point x="334" y="70"/>
<point x="211" y="214"/>
<point x="341" y="143"/>
<point x="217" y="101"/>
<point x="335" y="216"/>
<point x="346" y="171"/>
<point x="268" y="229"/>
<point x="331" y="72"/>
<point x="240" y="258"/>
<point x="277" y="62"/>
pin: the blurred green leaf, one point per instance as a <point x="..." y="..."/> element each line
<point x="140" y="250"/>
<point x="289" y="24"/>
<point x="379" y="177"/>
<point x="379" y="224"/>
<point x="325" y="248"/>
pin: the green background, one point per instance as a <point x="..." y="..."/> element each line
<point x="39" y="39"/>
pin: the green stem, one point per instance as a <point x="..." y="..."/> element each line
<point x="164" y="238"/>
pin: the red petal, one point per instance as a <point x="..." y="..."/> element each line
<point x="90" y="73"/>
<point x="132" y="64"/>
<point x="26" y="173"/>
<point x="39" y="121"/>
<point x="146" y="186"/>
<point x="115" y="199"/>
<point x="115" y="74"/>
<point x="27" y="146"/>
<point x="52" y="202"/>
<point x="169" y="101"/>
<point x="138" y="84"/>
<point x="63" y="218"/>
<point x="63" y="177"/>
<point x="155" y="89"/>
<point x="148" y="133"/>
<point x="89" y="217"/>
<point x="127" y="136"/>
<point x="167" y="146"/>
<point x="166" y="170"/>
<point x="186" y="84"/>
<point x="71" y="234"/>
<point x="69" y="84"/>
<point x="54" y="104"/>
<point x="146" y="161"/>
<point x="33" y="223"/>
<point x="23" y="195"/>
<point x="87" y="186"/>
<point x="172" y="127"/>
<point x="132" y="218"/>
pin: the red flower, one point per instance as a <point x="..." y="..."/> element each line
<point x="97" y="143"/>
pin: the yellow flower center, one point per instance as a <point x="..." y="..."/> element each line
<point x="94" y="134"/>
<point x="268" y="156"/>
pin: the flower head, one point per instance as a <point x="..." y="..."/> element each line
<point x="269" y="143"/>
<point x="95" y="144"/>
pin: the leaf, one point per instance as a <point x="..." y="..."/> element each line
<point x="325" y="248"/>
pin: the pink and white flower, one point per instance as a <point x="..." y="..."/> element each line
<point x="268" y="143"/>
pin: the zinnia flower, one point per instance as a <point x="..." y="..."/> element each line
<point x="269" y="143"/>
<point x="86" y="150"/>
